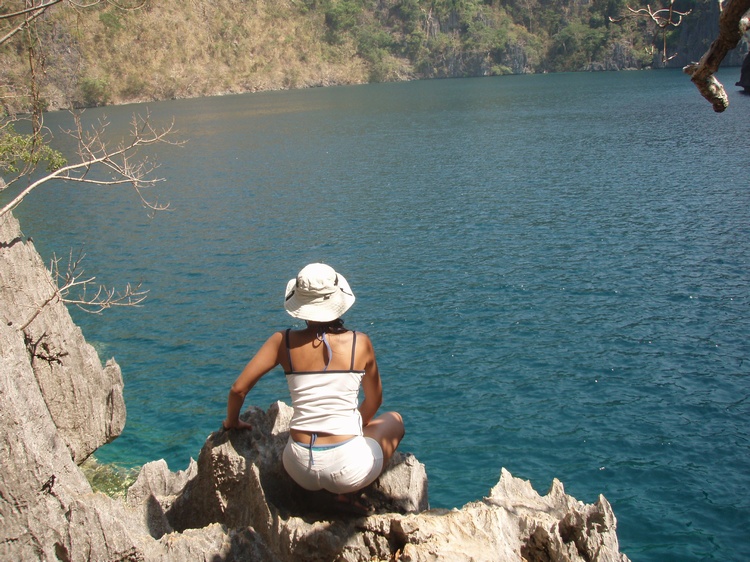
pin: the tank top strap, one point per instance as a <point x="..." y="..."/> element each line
<point x="354" y="343"/>
<point x="288" y="350"/>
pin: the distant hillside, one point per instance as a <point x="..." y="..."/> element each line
<point x="187" y="48"/>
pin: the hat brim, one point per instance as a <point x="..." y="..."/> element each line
<point x="319" y="308"/>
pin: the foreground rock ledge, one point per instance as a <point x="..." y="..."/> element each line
<point x="236" y="503"/>
<point x="239" y="482"/>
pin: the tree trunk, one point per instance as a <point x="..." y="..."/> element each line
<point x="733" y="23"/>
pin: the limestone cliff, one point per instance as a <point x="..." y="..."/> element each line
<point x="236" y="503"/>
<point x="83" y="400"/>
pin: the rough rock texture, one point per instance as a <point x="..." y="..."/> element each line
<point x="84" y="400"/>
<point x="58" y="405"/>
<point x="238" y="481"/>
<point x="236" y="502"/>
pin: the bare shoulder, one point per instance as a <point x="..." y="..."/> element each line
<point x="274" y="343"/>
<point x="365" y="353"/>
<point x="276" y="338"/>
<point x="363" y="340"/>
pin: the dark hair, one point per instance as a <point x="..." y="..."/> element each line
<point x="332" y="327"/>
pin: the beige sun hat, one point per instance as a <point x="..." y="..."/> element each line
<point x="318" y="294"/>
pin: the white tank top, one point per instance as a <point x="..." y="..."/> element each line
<point x="325" y="401"/>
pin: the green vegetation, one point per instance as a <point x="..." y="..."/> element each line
<point x="173" y="49"/>
<point x="22" y="152"/>
<point x="109" y="479"/>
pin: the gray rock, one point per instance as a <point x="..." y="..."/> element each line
<point x="84" y="400"/>
<point x="58" y="405"/>
<point x="241" y="484"/>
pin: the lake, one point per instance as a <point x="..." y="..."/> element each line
<point x="554" y="271"/>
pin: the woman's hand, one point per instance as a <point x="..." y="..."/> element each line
<point x="239" y="424"/>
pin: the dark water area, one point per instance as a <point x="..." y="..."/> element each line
<point x="553" y="270"/>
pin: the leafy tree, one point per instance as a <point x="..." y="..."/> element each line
<point x="95" y="92"/>
<point x="577" y="45"/>
<point x="19" y="154"/>
<point x="341" y="16"/>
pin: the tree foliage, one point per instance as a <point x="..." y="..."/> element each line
<point x="21" y="153"/>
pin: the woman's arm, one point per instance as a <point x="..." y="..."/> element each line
<point x="371" y="383"/>
<point x="264" y="360"/>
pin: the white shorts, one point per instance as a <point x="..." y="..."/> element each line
<point x="340" y="468"/>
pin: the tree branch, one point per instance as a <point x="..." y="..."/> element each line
<point x="30" y="13"/>
<point x="663" y="18"/>
<point x="94" y="151"/>
<point x="74" y="277"/>
<point x="31" y="9"/>
<point x="733" y="23"/>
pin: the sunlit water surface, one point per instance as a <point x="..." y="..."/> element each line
<point x="553" y="269"/>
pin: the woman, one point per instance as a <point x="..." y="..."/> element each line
<point x="334" y="443"/>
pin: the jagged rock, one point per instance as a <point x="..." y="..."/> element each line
<point x="84" y="399"/>
<point x="236" y="502"/>
<point x="58" y="405"/>
<point x="241" y="484"/>
<point x="237" y="469"/>
<point x="155" y="479"/>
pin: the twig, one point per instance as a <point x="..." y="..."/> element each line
<point x="93" y="151"/>
<point x="74" y="277"/>
<point x="663" y="18"/>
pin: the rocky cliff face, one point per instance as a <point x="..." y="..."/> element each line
<point x="236" y="503"/>
<point x="83" y="400"/>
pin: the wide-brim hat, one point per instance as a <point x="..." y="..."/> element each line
<point x="318" y="294"/>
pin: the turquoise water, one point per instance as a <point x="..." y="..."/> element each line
<point x="553" y="269"/>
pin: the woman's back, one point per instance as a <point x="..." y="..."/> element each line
<point x="323" y="383"/>
<point x="313" y="350"/>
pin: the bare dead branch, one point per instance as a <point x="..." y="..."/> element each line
<point x="105" y="298"/>
<point x="46" y="4"/>
<point x="92" y="297"/>
<point x="733" y="24"/>
<point x="30" y="9"/>
<point x="30" y="14"/>
<point x="664" y="18"/>
<point x="94" y="151"/>
<point x="102" y="297"/>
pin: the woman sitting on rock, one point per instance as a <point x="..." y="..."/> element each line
<point x="334" y="443"/>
